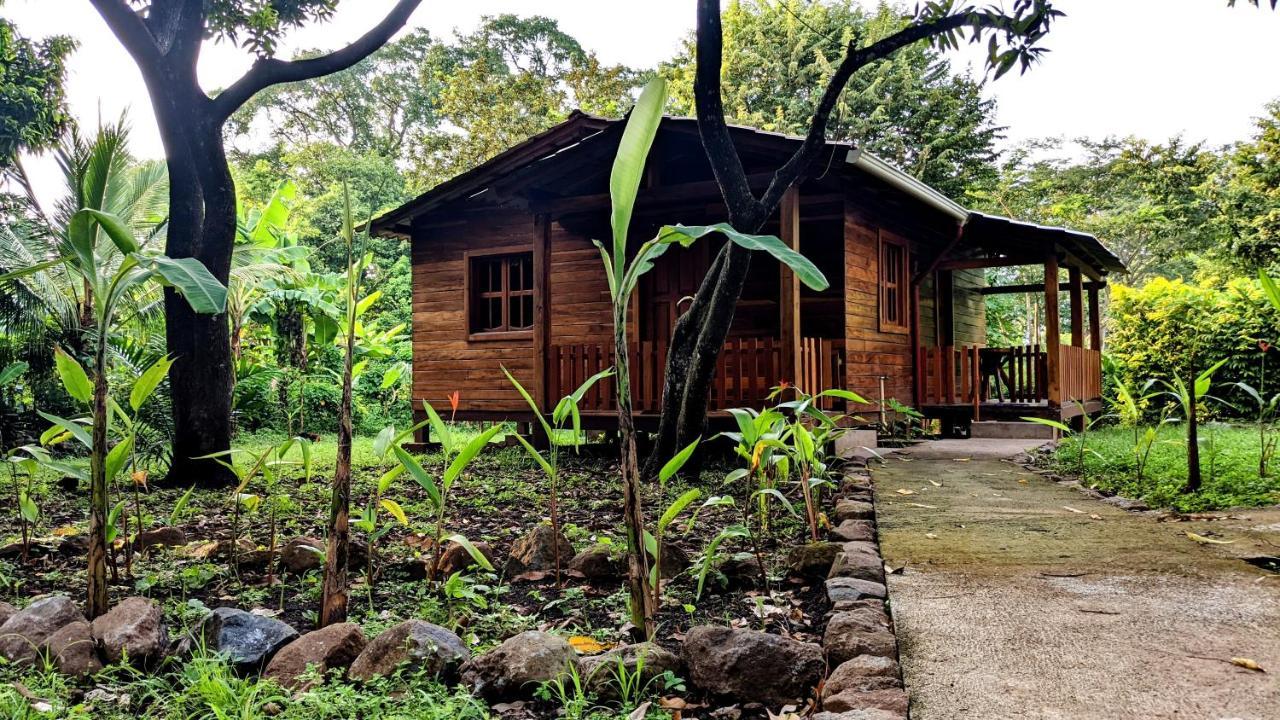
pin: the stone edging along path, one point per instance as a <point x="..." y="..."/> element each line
<point x="865" y="680"/>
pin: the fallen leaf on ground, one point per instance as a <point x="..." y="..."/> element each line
<point x="1247" y="664"/>
<point x="586" y="645"/>
<point x="640" y="711"/>
<point x="1023" y="481"/>
<point x="935" y="483"/>
<point x="904" y="491"/>
<point x="931" y="536"/>
<point x="1207" y="540"/>
<point x="66" y="531"/>
<point x="1073" y="509"/>
<point x="1095" y="516"/>
<point x="922" y="505"/>
<point x="962" y="459"/>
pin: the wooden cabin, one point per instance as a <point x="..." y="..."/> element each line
<point x="505" y="275"/>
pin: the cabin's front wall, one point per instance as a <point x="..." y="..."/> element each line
<point x="445" y="358"/>
<point x="873" y="352"/>
<point x="572" y="296"/>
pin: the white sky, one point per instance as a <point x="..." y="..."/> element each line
<point x="1152" y="68"/>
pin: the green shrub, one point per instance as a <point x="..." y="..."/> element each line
<point x="1171" y="327"/>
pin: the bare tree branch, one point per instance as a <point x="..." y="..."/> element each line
<point x="272" y="71"/>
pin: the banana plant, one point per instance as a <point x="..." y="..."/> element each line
<point x="1080" y="436"/>
<point x="566" y="411"/>
<point x="1189" y="399"/>
<point x="759" y="443"/>
<point x="368" y="520"/>
<point x="1265" y="421"/>
<point x="809" y="432"/>
<point x="108" y="283"/>
<point x="654" y="541"/>
<point x="623" y="278"/>
<point x="456" y="456"/>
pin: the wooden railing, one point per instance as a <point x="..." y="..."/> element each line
<point x="821" y="367"/>
<point x="971" y="375"/>
<point x="746" y="372"/>
<point x="1080" y="374"/>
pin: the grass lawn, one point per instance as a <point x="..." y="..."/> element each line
<point x="1228" y="465"/>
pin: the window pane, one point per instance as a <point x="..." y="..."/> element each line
<point x="493" y="313"/>
<point x="521" y="312"/>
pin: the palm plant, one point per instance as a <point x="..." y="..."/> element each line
<point x="111" y="274"/>
<point x="1189" y="398"/>
<point x="623" y="278"/>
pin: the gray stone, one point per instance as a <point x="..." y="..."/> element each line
<point x="846" y="588"/>
<point x="853" y="510"/>
<point x="858" y="632"/>
<point x="25" y="634"/>
<point x="812" y="560"/>
<point x="456" y="558"/>
<point x="854" y="530"/>
<point x="160" y="537"/>
<point x="675" y="560"/>
<point x="600" y="671"/>
<point x="518" y="666"/>
<point x="864" y="714"/>
<point x="751" y="666"/>
<point x="302" y="554"/>
<point x="892" y="700"/>
<point x="6" y="611"/>
<point x="536" y="551"/>
<point x="248" y="640"/>
<point x="862" y="673"/>
<point x="72" y="651"/>
<point x="134" y="628"/>
<point x="861" y="565"/>
<point x="331" y="647"/>
<point x="424" y="646"/>
<point x="598" y="562"/>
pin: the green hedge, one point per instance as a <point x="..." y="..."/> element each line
<point x="1170" y="327"/>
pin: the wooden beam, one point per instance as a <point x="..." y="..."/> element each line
<point x="789" y="289"/>
<point x="1052" y="330"/>
<point x="1076" y="294"/>
<point x="977" y="263"/>
<point x="662" y="194"/>
<point x="541" y="309"/>
<point x="1095" y="320"/>
<point x="1029" y="288"/>
<point x="937" y="259"/>
<point x="1071" y="260"/>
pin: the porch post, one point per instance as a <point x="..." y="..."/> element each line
<point x="1052" y="331"/>
<point x="789" y="292"/>
<point x="1095" y="320"/>
<point x="1077" y="306"/>
<point x="541" y="308"/>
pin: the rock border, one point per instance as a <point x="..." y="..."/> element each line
<point x="865" y="680"/>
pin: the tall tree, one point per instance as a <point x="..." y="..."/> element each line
<point x="512" y="78"/>
<point x="165" y="37"/>
<point x="1247" y="195"/>
<point x="1145" y="198"/>
<point x="911" y="108"/>
<point x="1012" y="39"/>
<point x="33" y="103"/>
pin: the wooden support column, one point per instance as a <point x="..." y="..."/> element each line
<point x="917" y="367"/>
<point x="789" y="290"/>
<point x="1052" y="331"/>
<point x="1076" y="293"/>
<point x="541" y="309"/>
<point x="1095" y="321"/>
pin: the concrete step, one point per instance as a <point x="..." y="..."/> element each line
<point x="1011" y="429"/>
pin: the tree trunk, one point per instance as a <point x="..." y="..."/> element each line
<point x="333" y="607"/>
<point x="202" y="217"/>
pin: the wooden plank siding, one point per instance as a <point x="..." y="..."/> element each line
<point x="870" y="351"/>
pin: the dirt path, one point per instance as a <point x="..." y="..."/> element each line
<point x="1023" y="598"/>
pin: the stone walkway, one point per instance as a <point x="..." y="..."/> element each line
<point x="1024" y="598"/>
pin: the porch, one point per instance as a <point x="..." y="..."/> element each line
<point x="746" y="373"/>
<point x="1056" y="376"/>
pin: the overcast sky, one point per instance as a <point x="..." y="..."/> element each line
<point x="1152" y="68"/>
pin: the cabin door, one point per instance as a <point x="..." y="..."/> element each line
<point x="675" y="277"/>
